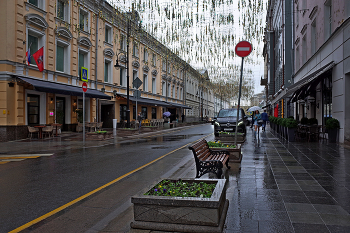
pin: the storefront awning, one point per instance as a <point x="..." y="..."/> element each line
<point x="300" y="88"/>
<point x="51" y="87"/>
<point x="146" y="101"/>
<point x="176" y="105"/>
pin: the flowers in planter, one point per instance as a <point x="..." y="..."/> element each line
<point x="100" y="131"/>
<point x="218" y="144"/>
<point x="182" y="188"/>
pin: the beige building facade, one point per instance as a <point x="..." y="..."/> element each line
<point x="85" y="35"/>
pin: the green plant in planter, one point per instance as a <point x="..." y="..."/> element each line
<point x="99" y="132"/>
<point x="218" y="144"/>
<point x="291" y="117"/>
<point x="283" y="122"/>
<point x="304" y="121"/>
<point x="181" y="188"/>
<point x="312" y="121"/>
<point x="279" y="121"/>
<point x="291" y="123"/>
<point x="332" y="123"/>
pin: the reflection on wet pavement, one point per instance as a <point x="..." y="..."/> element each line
<point x="290" y="187"/>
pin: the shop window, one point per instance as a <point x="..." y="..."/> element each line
<point x="327" y="98"/>
<point x="122" y="112"/>
<point x="144" y="112"/>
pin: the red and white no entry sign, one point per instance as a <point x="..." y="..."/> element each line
<point x="243" y="48"/>
<point x="84" y="86"/>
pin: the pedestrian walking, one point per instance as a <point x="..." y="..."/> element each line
<point x="139" y="118"/>
<point x="252" y="123"/>
<point x="257" y="122"/>
<point x="265" y="118"/>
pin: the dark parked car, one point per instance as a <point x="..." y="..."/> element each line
<point x="226" y="121"/>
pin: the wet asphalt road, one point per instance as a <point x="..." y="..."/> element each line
<point x="34" y="187"/>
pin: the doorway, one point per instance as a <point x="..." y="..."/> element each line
<point x="60" y="111"/>
<point x="33" y="106"/>
<point x="107" y="115"/>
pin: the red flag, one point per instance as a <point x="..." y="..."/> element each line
<point x="39" y="58"/>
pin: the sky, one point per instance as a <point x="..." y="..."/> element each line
<point x="204" y="33"/>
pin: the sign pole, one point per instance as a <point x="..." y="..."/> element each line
<point x="239" y="100"/>
<point x="83" y="118"/>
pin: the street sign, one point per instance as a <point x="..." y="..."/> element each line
<point x="137" y="83"/>
<point x="137" y="94"/>
<point x="84" y="86"/>
<point x="84" y="74"/>
<point x="243" y="48"/>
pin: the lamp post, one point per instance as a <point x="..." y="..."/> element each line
<point x="117" y="65"/>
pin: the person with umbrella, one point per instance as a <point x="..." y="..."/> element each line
<point x="257" y="118"/>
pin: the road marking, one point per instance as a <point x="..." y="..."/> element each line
<point x="19" y="157"/>
<point x="55" y="211"/>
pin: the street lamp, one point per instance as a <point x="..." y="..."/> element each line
<point x="117" y="65"/>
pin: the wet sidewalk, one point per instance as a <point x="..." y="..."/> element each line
<point x="290" y="187"/>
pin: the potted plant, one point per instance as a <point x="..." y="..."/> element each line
<point x="312" y="121"/>
<point x="332" y="126"/>
<point x="172" y="205"/>
<point x="291" y="125"/>
<point x="235" y="151"/>
<point x="304" y="121"/>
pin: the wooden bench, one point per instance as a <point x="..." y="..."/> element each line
<point x="207" y="160"/>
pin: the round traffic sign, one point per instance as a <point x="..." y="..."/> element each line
<point x="84" y="87"/>
<point x="243" y="48"/>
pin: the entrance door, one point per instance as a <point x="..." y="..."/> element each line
<point x="60" y="111"/>
<point x="107" y="115"/>
<point x="33" y="106"/>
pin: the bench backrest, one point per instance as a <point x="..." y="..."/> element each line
<point x="200" y="150"/>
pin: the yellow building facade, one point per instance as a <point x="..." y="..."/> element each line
<point x="87" y="35"/>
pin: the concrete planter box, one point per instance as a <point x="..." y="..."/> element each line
<point x="230" y="139"/>
<point x="235" y="153"/>
<point x="182" y="214"/>
<point x="99" y="136"/>
<point x="127" y="132"/>
<point x="149" y="128"/>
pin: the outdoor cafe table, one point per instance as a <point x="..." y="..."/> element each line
<point x="40" y="130"/>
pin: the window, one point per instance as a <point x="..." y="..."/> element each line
<point x="62" y="10"/>
<point x="181" y="96"/>
<point x="108" y="71"/>
<point x="144" y="113"/>
<point x="327" y="19"/>
<point x="135" y="49"/>
<point x="154" y="87"/>
<point x="297" y="58"/>
<point x="163" y="88"/>
<point x="163" y="65"/>
<point x="134" y="76"/>
<point x="154" y="113"/>
<point x="145" y="82"/>
<point x="169" y="90"/>
<point x="145" y="55"/>
<point x="83" y="61"/>
<point x="169" y="68"/>
<point x="38" y="3"/>
<point x="174" y="92"/>
<point x="122" y="77"/>
<point x="154" y="60"/>
<point x="178" y="93"/>
<point x="327" y="98"/>
<point x="313" y="37"/>
<point x="108" y="34"/>
<point x="62" y="58"/>
<point x="122" y="112"/>
<point x="34" y="2"/>
<point x="122" y="42"/>
<point x="304" y="52"/>
<point x="33" y="43"/>
<point x="83" y="20"/>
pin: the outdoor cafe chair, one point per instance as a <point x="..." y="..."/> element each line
<point x="32" y="131"/>
<point x="48" y="130"/>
